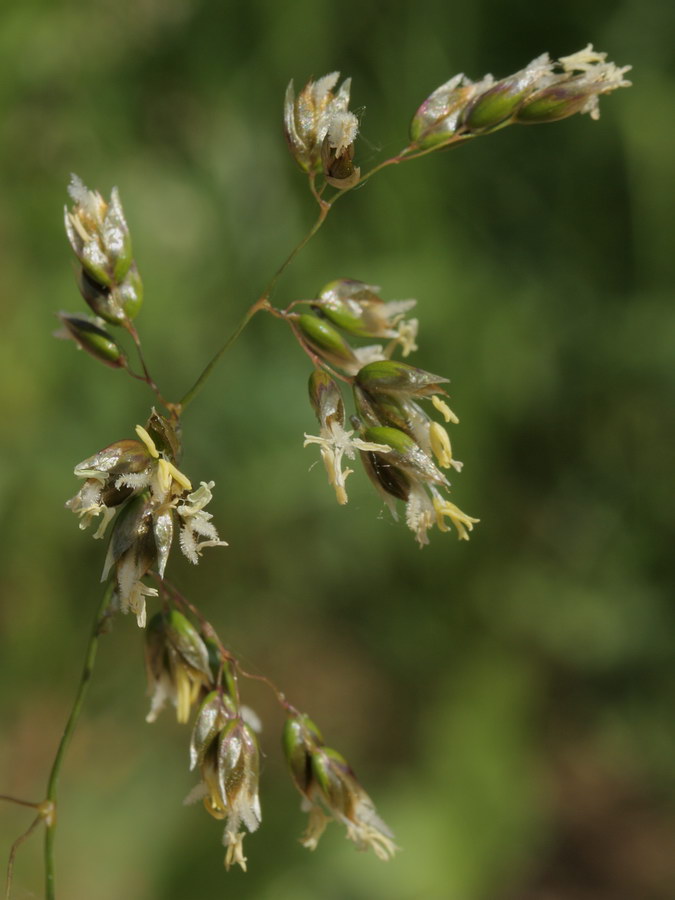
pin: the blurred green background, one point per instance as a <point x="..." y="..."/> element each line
<point x="507" y="702"/>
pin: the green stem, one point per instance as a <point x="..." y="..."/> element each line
<point x="408" y="153"/>
<point x="18" y="801"/>
<point x="206" y="374"/>
<point x="13" y="851"/>
<point x="52" y="786"/>
<point x="146" y="377"/>
<point x="261" y="303"/>
<point x="323" y="214"/>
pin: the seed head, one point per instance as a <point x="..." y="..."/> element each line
<point x="544" y="91"/>
<point x="330" y="790"/>
<point x="90" y="336"/>
<point x="334" y="442"/>
<point x="155" y="496"/>
<point x="225" y="748"/>
<point x="584" y="77"/>
<point x="177" y="664"/>
<point x="358" y="309"/>
<point x="320" y="130"/>
<point x="99" y="235"/>
<point x="387" y="396"/>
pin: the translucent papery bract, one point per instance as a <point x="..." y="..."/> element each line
<point x="186" y="640"/>
<point x="326" y="342"/>
<point x="300" y="738"/>
<point x="124" y="457"/>
<point x="215" y="711"/>
<point x="337" y="151"/>
<point x="90" y="336"/>
<point x="176" y="663"/>
<point x="133" y="531"/>
<point x="162" y="527"/>
<point x="128" y="294"/>
<point x="356" y="308"/>
<point x="343" y="302"/>
<point x="405" y="454"/>
<point x="309" y="116"/>
<point x="238" y="773"/>
<point x="166" y="435"/>
<point x="407" y="472"/>
<point x="334" y="442"/>
<point x="90" y="226"/>
<point x="238" y="764"/>
<point x="381" y="409"/>
<point x="111" y="476"/>
<point x="326" y="399"/>
<point x="582" y="78"/>
<point x="405" y="414"/>
<point x="399" y="379"/>
<point x="347" y="801"/>
<point x="499" y="103"/>
<point x="543" y="91"/>
<point x="132" y="552"/>
<point x="437" y="120"/>
<point x="99" y="236"/>
<point x="330" y="789"/>
<point x="388" y="480"/>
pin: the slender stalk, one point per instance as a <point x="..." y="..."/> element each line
<point x="317" y="193"/>
<point x="261" y="303"/>
<point x="408" y="153"/>
<point x="226" y="655"/>
<point x="146" y="377"/>
<point x="325" y="209"/>
<point x="206" y="373"/>
<point x="18" y="801"/>
<point x="280" y="696"/>
<point x="12" y="853"/>
<point x="52" y="785"/>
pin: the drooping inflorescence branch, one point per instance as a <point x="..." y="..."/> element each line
<point x="400" y="445"/>
<point x="542" y="92"/>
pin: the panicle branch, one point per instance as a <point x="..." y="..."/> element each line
<point x="400" y="445"/>
<point x="544" y="91"/>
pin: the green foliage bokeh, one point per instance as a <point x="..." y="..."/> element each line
<point x="507" y="702"/>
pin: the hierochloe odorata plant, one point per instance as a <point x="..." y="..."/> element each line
<point x="136" y="494"/>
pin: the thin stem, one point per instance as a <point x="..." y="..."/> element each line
<point x="392" y="161"/>
<point x="226" y="655"/>
<point x="317" y="193"/>
<point x="261" y="303"/>
<point x="146" y="377"/>
<point x="280" y="696"/>
<point x="15" y="846"/>
<point x="18" y="801"/>
<point x="408" y="153"/>
<point x="207" y="628"/>
<point x="52" y="785"/>
<point x="323" y="213"/>
<point x="411" y="153"/>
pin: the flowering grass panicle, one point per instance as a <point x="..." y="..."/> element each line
<point x="152" y="495"/>
<point x="330" y="790"/>
<point x="136" y="489"/>
<point x="544" y="91"/>
<point x="320" y="130"/>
